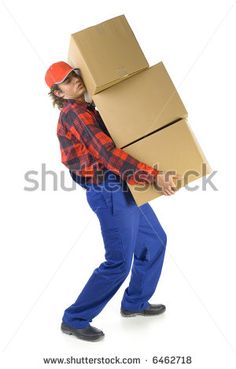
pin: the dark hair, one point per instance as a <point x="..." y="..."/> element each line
<point x="56" y="100"/>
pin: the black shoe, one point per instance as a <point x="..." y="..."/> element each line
<point x="88" y="334"/>
<point x="149" y="311"/>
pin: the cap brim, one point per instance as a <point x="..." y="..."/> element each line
<point x="77" y="69"/>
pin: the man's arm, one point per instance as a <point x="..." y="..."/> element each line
<point x="104" y="150"/>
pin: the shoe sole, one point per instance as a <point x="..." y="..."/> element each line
<point x="131" y="315"/>
<point x="84" y="338"/>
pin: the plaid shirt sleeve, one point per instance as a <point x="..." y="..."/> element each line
<point x="84" y="128"/>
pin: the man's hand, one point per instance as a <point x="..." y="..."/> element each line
<point x="165" y="183"/>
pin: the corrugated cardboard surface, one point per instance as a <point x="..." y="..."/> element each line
<point x="174" y="149"/>
<point x="140" y="105"/>
<point x="106" y="53"/>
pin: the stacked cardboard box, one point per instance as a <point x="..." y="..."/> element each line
<point x="140" y="105"/>
<point x="106" y="54"/>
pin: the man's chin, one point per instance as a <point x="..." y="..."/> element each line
<point x="78" y="97"/>
<point x="80" y="94"/>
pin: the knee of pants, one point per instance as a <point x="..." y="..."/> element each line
<point x="162" y="240"/>
<point x="117" y="257"/>
<point x="119" y="268"/>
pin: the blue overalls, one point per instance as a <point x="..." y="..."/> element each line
<point x="129" y="232"/>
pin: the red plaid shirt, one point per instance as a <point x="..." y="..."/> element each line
<point x="88" y="150"/>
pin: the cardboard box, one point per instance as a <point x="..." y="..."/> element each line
<point x="106" y="54"/>
<point x="140" y="105"/>
<point x="174" y="148"/>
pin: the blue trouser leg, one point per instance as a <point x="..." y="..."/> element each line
<point x="148" y="260"/>
<point x="119" y="232"/>
<point x="126" y="231"/>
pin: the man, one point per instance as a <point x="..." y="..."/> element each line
<point x="128" y="231"/>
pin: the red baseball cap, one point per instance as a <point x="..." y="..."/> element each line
<point x="57" y="73"/>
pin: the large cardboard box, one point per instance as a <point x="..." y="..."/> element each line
<point x="106" y="54"/>
<point x="173" y="149"/>
<point x="140" y="105"/>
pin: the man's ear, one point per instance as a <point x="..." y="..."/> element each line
<point x="58" y="93"/>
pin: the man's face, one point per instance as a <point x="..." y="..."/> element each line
<point x="72" y="87"/>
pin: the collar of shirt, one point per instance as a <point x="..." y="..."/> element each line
<point x="81" y="105"/>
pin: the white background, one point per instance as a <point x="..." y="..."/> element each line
<point x="51" y="240"/>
